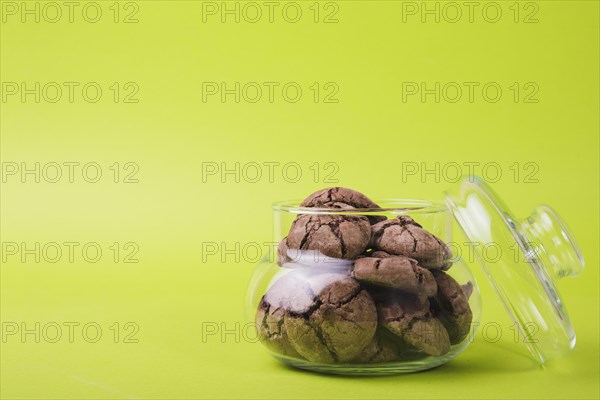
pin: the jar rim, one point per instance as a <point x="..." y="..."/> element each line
<point x="387" y="205"/>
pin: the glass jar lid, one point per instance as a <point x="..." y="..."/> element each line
<point x="528" y="258"/>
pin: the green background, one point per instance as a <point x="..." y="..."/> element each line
<point x="177" y="288"/>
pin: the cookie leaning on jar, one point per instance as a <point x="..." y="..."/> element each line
<point x="392" y="301"/>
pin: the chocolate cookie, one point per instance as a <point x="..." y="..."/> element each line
<point x="403" y="236"/>
<point x="343" y="198"/>
<point x="337" y="326"/>
<point x="409" y="318"/>
<point x="336" y="236"/>
<point x="271" y="329"/>
<point x="398" y="272"/>
<point x="380" y="254"/>
<point x="333" y="197"/>
<point x="451" y="305"/>
<point x="290" y="292"/>
<point x="382" y="348"/>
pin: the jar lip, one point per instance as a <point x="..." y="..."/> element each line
<point x="387" y="205"/>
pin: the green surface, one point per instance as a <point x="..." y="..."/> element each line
<point x="179" y="288"/>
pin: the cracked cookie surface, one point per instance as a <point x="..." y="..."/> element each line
<point x="291" y="292"/>
<point x="337" y="326"/>
<point x="333" y="236"/>
<point x="410" y="318"/>
<point x="333" y="197"/>
<point x="382" y="348"/>
<point x="274" y="305"/>
<point x="342" y="198"/>
<point x="398" y="272"/>
<point x="452" y="306"/>
<point x="403" y="236"/>
<point x="271" y="329"/>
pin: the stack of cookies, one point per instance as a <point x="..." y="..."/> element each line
<point x="391" y="300"/>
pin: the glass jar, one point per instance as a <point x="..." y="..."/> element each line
<point x="333" y="311"/>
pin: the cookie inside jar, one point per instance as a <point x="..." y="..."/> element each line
<point x="361" y="287"/>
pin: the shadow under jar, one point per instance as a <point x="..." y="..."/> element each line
<point x="363" y="291"/>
